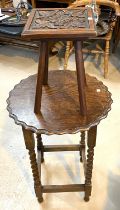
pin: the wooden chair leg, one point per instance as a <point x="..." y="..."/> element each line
<point x="90" y="153"/>
<point x="106" y="58"/>
<point x="82" y="144"/>
<point x="67" y="54"/>
<point x="30" y="145"/>
<point x="33" y="3"/>
<point x="40" y="146"/>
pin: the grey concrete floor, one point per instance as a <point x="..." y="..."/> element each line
<point x="16" y="183"/>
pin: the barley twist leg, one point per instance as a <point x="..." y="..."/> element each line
<point x="30" y="145"/>
<point x="90" y="154"/>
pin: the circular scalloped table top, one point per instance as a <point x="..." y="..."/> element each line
<point x="60" y="109"/>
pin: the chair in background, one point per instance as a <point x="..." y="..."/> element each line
<point x="108" y="10"/>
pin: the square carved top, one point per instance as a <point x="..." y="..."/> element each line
<point x="60" y="23"/>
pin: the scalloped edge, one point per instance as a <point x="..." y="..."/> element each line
<point x="68" y="131"/>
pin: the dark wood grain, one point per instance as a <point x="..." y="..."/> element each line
<point x="80" y="77"/>
<point x="59" y="148"/>
<point x="63" y="188"/>
<point x="71" y="24"/>
<point x="60" y="19"/>
<point x="60" y="104"/>
<point x="40" y="76"/>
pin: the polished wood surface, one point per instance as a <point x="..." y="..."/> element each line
<point x="60" y="104"/>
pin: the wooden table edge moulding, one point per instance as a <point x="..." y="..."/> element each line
<point x="60" y="111"/>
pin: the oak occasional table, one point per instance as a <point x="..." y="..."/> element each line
<point x="71" y="102"/>
<point x="59" y="115"/>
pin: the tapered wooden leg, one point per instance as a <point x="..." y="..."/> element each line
<point x="106" y="58"/>
<point x="40" y="146"/>
<point x="82" y="144"/>
<point x="80" y="76"/>
<point x="33" y="3"/>
<point x="90" y="153"/>
<point x="30" y="145"/>
<point x="40" y="76"/>
<point x="45" y="78"/>
<point x="67" y="54"/>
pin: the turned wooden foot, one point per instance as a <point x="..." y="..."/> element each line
<point x="30" y="145"/>
<point x="86" y="199"/>
<point x="91" y="141"/>
<point x="40" y="199"/>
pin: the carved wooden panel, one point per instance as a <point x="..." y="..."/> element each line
<point x="60" y="19"/>
<point x="60" y="23"/>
